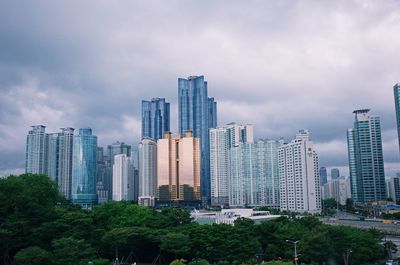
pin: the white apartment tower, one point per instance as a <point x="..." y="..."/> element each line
<point x="147" y="172"/>
<point x="299" y="175"/>
<point x="121" y="178"/>
<point x="225" y="174"/>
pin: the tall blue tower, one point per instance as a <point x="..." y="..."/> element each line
<point x="155" y="118"/>
<point x="84" y="168"/>
<point x="198" y="113"/>
<point x="396" y="91"/>
<point x="367" y="173"/>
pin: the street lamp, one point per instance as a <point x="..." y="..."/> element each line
<point x="295" y="249"/>
<point x="346" y="257"/>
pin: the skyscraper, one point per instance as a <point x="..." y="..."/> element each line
<point x="269" y="173"/>
<point x="393" y="188"/>
<point x="367" y="173"/>
<point x="65" y="153"/>
<point x="335" y="173"/>
<point x="84" y="168"/>
<point x="36" y="150"/>
<point x="197" y="113"/>
<point x="323" y="174"/>
<point x="147" y="172"/>
<point x="178" y="168"/>
<point x="299" y="176"/>
<point x="121" y="187"/>
<point x="114" y="149"/>
<point x="222" y="140"/>
<point x="396" y="91"/>
<point x="155" y="118"/>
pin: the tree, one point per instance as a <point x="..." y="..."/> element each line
<point x="178" y="262"/>
<point x="33" y="256"/>
<point x="70" y="251"/>
<point x="176" y="244"/>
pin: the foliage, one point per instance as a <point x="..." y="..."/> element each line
<point x="36" y="222"/>
<point x="33" y="256"/>
<point x="178" y="262"/>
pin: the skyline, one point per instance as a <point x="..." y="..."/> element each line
<point x="61" y="74"/>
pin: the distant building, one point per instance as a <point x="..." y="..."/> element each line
<point x="114" y="149"/>
<point x="147" y="172"/>
<point x="197" y="113"/>
<point x="222" y="140"/>
<point x="338" y="189"/>
<point x="393" y="188"/>
<point x="121" y="185"/>
<point x="299" y="176"/>
<point x="335" y="173"/>
<point x="84" y="168"/>
<point x="396" y="91"/>
<point x="104" y="177"/>
<point x="367" y="173"/>
<point x="155" y="118"/>
<point x="178" y="168"/>
<point x="36" y="155"/>
<point x="323" y="175"/>
<point x="65" y="158"/>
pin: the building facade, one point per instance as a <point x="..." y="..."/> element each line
<point x="178" y="168"/>
<point x="197" y="113"/>
<point x="365" y="153"/>
<point x="222" y="140"/>
<point x="323" y="175"/>
<point x="36" y="150"/>
<point x="155" y="118"/>
<point x="396" y="92"/>
<point x="299" y="176"/>
<point x="335" y="173"/>
<point x="84" y="168"/>
<point x="393" y="188"/>
<point x="338" y="189"/>
<point x="65" y="154"/>
<point x="121" y="184"/>
<point x="147" y="172"/>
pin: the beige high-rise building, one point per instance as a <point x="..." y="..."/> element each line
<point x="178" y="168"/>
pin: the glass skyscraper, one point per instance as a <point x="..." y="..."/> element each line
<point x="367" y="173"/>
<point x="323" y="174"/>
<point x="396" y="91"/>
<point x="335" y="173"/>
<point x="84" y="168"/>
<point x="155" y="118"/>
<point x="197" y="113"/>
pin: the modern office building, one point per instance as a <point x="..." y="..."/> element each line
<point x="222" y="140"/>
<point x="178" y="168"/>
<point x="335" y="173"/>
<point x="36" y="150"/>
<point x="155" y="118"/>
<point x="104" y="176"/>
<point x="299" y="176"/>
<point x="393" y="188"/>
<point x="323" y="175"/>
<point x="367" y="173"/>
<point x="147" y="172"/>
<point x="84" y="168"/>
<point x="121" y="183"/>
<point x="396" y="91"/>
<point x="197" y="113"/>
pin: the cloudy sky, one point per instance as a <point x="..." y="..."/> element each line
<point x="280" y="65"/>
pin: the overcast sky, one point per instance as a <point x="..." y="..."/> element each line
<point x="279" y="65"/>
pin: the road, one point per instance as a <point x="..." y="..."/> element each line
<point x="392" y="231"/>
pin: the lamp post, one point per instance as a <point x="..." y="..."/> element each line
<point x="295" y="249"/>
<point x="346" y="257"/>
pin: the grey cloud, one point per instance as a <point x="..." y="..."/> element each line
<point x="282" y="66"/>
